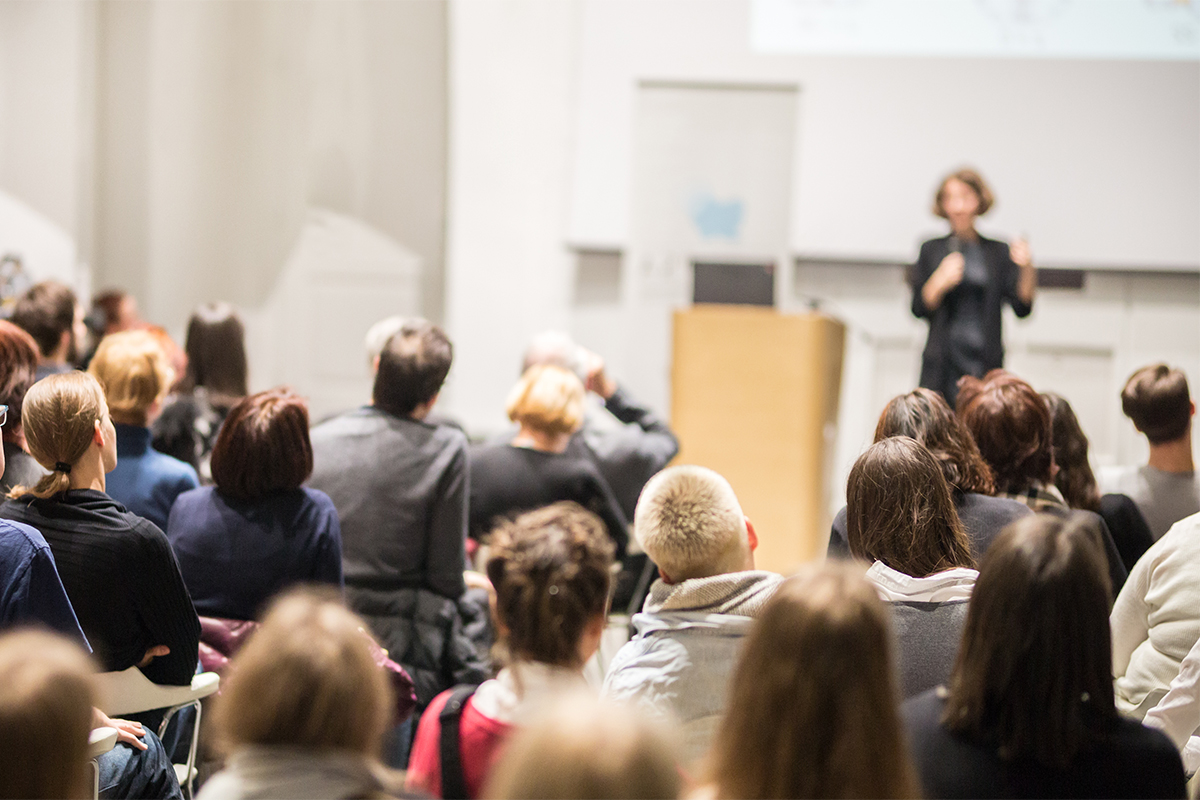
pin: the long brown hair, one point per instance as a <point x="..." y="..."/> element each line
<point x="1034" y="671"/>
<point x="216" y="353"/>
<point x="812" y="710"/>
<point x="899" y="510"/>
<point x="924" y="415"/>
<point x="1075" y="478"/>
<point x="60" y="416"/>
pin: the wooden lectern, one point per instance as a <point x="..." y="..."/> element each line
<point x="755" y="397"/>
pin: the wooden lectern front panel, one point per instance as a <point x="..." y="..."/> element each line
<point x="755" y="397"/>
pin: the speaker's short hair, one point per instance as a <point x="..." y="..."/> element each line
<point x="689" y="521"/>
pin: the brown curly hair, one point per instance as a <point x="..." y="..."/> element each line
<point x="551" y="572"/>
<point x="1011" y="426"/>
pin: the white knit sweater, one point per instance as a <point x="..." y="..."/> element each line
<point x="1156" y="619"/>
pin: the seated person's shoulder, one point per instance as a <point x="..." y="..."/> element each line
<point x="17" y="536"/>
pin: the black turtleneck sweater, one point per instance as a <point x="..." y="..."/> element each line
<point x="122" y="580"/>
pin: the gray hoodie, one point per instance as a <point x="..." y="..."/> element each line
<point x="685" y="647"/>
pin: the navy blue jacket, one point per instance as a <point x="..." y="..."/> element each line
<point x="235" y="555"/>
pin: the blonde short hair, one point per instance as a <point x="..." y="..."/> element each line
<point x="135" y="374"/>
<point x="583" y="747"/>
<point x="689" y="521"/>
<point x="46" y="699"/>
<point x="306" y="679"/>
<point x="548" y="399"/>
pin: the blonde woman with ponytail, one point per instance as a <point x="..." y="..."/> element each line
<point x="117" y="567"/>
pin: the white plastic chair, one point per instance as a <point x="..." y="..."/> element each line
<point x="131" y="692"/>
<point x="100" y="741"/>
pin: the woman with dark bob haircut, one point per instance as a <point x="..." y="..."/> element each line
<point x="1011" y="425"/>
<point x="1029" y="710"/>
<point x="258" y="530"/>
<point x="812" y="706"/>
<point x="900" y="517"/>
<point x="214" y="381"/>
<point x="1077" y="483"/>
<point x="923" y="414"/>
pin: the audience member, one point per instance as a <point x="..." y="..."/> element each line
<point x="46" y="699"/>
<point x="400" y="488"/>
<point x="304" y="710"/>
<point x="1010" y="423"/>
<point x="134" y="373"/>
<point x="258" y="530"/>
<point x="813" y="706"/>
<point x="118" y="311"/>
<point x="534" y="469"/>
<point x="117" y="568"/>
<point x="1156" y="618"/>
<point x="214" y="382"/>
<point x="1166" y="488"/>
<point x="923" y="414"/>
<point x="550" y="570"/>
<point x="377" y="336"/>
<point x="32" y="594"/>
<point x="1178" y="713"/>
<point x="18" y="368"/>
<point x="901" y="518"/>
<point x="688" y="636"/>
<point x="1029" y="711"/>
<point x="49" y="312"/>
<point x="1077" y="484"/>
<point x="584" y="750"/>
<point x="629" y="443"/>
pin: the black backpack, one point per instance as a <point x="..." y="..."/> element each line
<point x="454" y="782"/>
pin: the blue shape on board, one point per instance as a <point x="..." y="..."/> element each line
<point x="716" y="219"/>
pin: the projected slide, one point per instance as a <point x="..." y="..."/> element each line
<point x="1094" y="29"/>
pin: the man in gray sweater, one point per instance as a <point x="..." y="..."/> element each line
<point x="400" y="488"/>
<point x="1166" y="489"/>
<point x="690" y="632"/>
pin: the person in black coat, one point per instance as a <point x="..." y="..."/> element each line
<point x="1077" y="483"/>
<point x="1029" y="710"/>
<point x="118" y="569"/>
<point x="534" y="469"/>
<point x="960" y="284"/>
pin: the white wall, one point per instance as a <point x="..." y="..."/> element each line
<point x="183" y="145"/>
<point x="513" y="98"/>
<point x="1096" y="161"/>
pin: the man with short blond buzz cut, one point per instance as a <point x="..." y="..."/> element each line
<point x="688" y="636"/>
